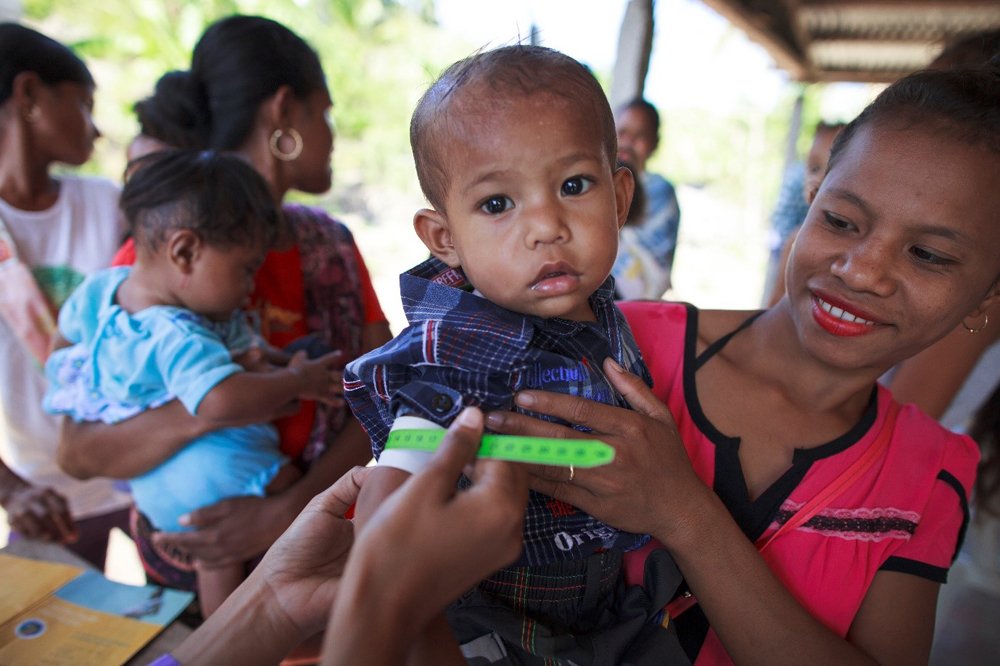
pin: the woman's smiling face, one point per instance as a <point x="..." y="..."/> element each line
<point x="901" y="243"/>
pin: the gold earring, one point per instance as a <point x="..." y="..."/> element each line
<point x="986" y="322"/>
<point x="296" y="148"/>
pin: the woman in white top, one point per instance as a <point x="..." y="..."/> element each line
<point x="53" y="232"/>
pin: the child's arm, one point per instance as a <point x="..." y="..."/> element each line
<point x="244" y="395"/>
<point x="382" y="482"/>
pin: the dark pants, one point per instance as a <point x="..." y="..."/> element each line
<point x="575" y="612"/>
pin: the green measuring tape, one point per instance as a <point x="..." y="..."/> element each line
<point x="538" y="450"/>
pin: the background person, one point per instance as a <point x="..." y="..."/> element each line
<point x="53" y="232"/>
<point x="815" y="168"/>
<point x="646" y="248"/>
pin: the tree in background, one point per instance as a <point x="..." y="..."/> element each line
<point x="375" y="54"/>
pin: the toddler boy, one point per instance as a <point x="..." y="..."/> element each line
<point x="515" y="150"/>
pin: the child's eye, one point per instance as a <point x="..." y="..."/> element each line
<point x="496" y="204"/>
<point x="576" y="185"/>
<point x="836" y="221"/>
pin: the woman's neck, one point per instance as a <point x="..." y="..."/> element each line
<point x="771" y="350"/>
<point x="28" y="189"/>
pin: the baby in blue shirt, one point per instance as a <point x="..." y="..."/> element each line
<point x="170" y="327"/>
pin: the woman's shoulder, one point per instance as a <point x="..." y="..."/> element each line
<point x="709" y="325"/>
<point x="94" y="187"/>
<point x="955" y="453"/>
<point x="89" y="199"/>
<point x="650" y="312"/>
<point x="314" y="220"/>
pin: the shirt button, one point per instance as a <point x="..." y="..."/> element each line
<point x="441" y="403"/>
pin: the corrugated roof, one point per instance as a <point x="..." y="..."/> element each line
<point x="857" y="40"/>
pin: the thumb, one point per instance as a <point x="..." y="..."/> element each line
<point x="639" y="396"/>
<point x="457" y="450"/>
<point x="204" y="516"/>
<point x="339" y="497"/>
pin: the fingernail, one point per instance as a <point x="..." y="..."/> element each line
<point x="494" y="419"/>
<point x="470" y="417"/>
<point x="524" y="399"/>
<point x="614" y="365"/>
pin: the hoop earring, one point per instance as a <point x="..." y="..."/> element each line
<point x="276" y="150"/>
<point x="986" y="322"/>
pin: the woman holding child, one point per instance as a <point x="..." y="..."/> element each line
<point x="754" y="416"/>
<point x="256" y="89"/>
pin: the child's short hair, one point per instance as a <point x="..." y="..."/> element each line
<point x="219" y="196"/>
<point x="963" y="103"/>
<point x="520" y="69"/>
<point x="25" y="50"/>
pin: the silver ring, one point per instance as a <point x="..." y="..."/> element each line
<point x="572" y="473"/>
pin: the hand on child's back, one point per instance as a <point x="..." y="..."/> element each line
<point x="322" y="378"/>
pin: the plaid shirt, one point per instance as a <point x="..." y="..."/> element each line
<point x="460" y="349"/>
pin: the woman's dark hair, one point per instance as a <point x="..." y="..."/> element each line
<point x="238" y="63"/>
<point x="972" y="50"/>
<point x="961" y="103"/>
<point x="25" y="50"/>
<point x="172" y="114"/>
<point x="986" y="431"/>
<point x="219" y="196"/>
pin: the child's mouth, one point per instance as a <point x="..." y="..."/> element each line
<point x="555" y="279"/>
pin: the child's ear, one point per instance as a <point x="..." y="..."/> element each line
<point x="432" y="228"/>
<point x="624" y="189"/>
<point x="183" y="248"/>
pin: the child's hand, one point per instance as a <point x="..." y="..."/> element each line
<point x="322" y="378"/>
<point x="254" y="360"/>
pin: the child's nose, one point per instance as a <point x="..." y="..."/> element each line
<point x="546" y="225"/>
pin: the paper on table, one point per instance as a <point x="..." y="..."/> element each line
<point x="60" y="614"/>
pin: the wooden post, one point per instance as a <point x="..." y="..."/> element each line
<point x="635" y="43"/>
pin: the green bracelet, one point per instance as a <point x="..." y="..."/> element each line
<point x="538" y="450"/>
